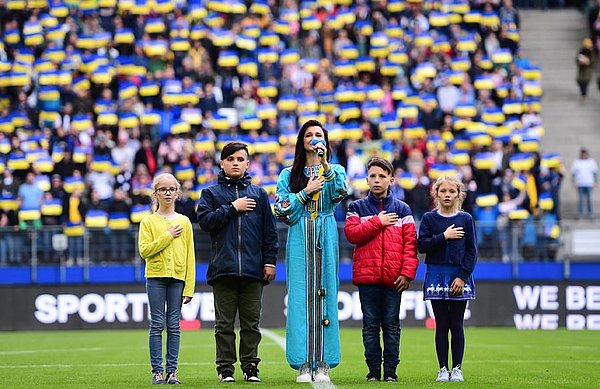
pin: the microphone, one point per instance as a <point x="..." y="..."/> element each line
<point x="316" y="142"/>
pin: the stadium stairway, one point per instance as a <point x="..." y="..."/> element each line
<point x="552" y="39"/>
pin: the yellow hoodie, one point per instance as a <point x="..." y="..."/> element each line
<point x="166" y="256"/>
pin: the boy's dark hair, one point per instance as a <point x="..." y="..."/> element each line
<point x="382" y="163"/>
<point x="232" y="148"/>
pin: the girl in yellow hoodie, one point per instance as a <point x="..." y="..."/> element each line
<point x="166" y="242"/>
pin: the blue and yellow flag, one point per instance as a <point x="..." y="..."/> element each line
<point x="96" y="219"/>
<point x="29" y="214"/>
<point x="502" y="56"/>
<point x="521" y="161"/>
<point x="139" y="211"/>
<point x="52" y="207"/>
<point x="459" y="157"/>
<point x="438" y="170"/>
<point x="73" y="229"/>
<point x="150" y="118"/>
<point x="72" y="183"/>
<point x="219" y="122"/>
<point x="101" y="163"/>
<point x="250" y="122"/>
<point x="118" y="221"/>
<point x="486" y="200"/>
<point x="287" y="103"/>
<point x="8" y="203"/>
<point x="248" y="67"/>
<point x="289" y="56"/>
<point x="17" y="162"/>
<point x="228" y="58"/>
<point x="518" y="214"/>
<point x="550" y="160"/>
<point x="407" y="181"/>
<point x="268" y="144"/>
<point x="44" y="164"/>
<point x="545" y="201"/>
<point x="267" y="89"/>
<point x="484" y="161"/>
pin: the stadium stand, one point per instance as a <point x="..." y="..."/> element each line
<point x="96" y="97"/>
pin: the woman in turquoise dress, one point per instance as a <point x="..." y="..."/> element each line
<point x="307" y="194"/>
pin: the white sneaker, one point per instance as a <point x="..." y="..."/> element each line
<point x="456" y="375"/>
<point x="443" y="375"/>
<point x="322" y="373"/>
<point x="304" y="374"/>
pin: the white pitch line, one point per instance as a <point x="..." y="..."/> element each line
<point x="51" y="350"/>
<point x="280" y="340"/>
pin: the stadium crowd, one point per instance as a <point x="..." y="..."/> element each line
<point x="96" y="97"/>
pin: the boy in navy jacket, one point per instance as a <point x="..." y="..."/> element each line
<point x="244" y="252"/>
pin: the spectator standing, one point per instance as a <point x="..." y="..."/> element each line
<point x="586" y="63"/>
<point x="585" y="174"/>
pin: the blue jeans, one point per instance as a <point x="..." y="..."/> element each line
<point x="75" y="247"/>
<point x="585" y="196"/>
<point x="381" y="311"/>
<point x="163" y="291"/>
<point x="3" y="251"/>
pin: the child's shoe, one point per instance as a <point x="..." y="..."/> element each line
<point x="456" y="375"/>
<point x="172" y="378"/>
<point x="251" y="373"/>
<point x="226" y="376"/>
<point x="443" y="375"/>
<point x="374" y="375"/>
<point x="158" y="379"/>
<point x="389" y="375"/>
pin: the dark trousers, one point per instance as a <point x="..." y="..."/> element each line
<point x="243" y="297"/>
<point x="449" y="317"/>
<point x="381" y="314"/>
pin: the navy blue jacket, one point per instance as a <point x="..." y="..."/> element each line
<point x="438" y="250"/>
<point x="242" y="243"/>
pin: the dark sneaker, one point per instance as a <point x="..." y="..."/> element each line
<point x="172" y="378"/>
<point x="226" y="376"/>
<point x="374" y="375"/>
<point x="391" y="377"/>
<point x="158" y="379"/>
<point x="251" y="373"/>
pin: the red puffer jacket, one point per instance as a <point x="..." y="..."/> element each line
<point x="381" y="254"/>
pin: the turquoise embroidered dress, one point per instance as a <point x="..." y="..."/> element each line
<point x="312" y="259"/>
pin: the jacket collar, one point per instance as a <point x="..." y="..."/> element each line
<point x="386" y="200"/>
<point x="243" y="182"/>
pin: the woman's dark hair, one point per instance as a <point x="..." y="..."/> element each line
<point x="232" y="148"/>
<point x="298" y="179"/>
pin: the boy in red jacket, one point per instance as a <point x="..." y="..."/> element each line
<point x="385" y="262"/>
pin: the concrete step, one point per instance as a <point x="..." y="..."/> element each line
<point x="551" y="39"/>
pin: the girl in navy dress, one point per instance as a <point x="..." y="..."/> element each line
<point x="447" y="237"/>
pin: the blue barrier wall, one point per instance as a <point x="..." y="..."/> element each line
<point x="524" y="271"/>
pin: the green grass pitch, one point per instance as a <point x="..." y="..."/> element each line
<point x="495" y="357"/>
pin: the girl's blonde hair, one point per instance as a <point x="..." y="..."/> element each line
<point x="460" y="187"/>
<point x="155" y="188"/>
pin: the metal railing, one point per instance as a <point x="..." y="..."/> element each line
<point x="510" y="241"/>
